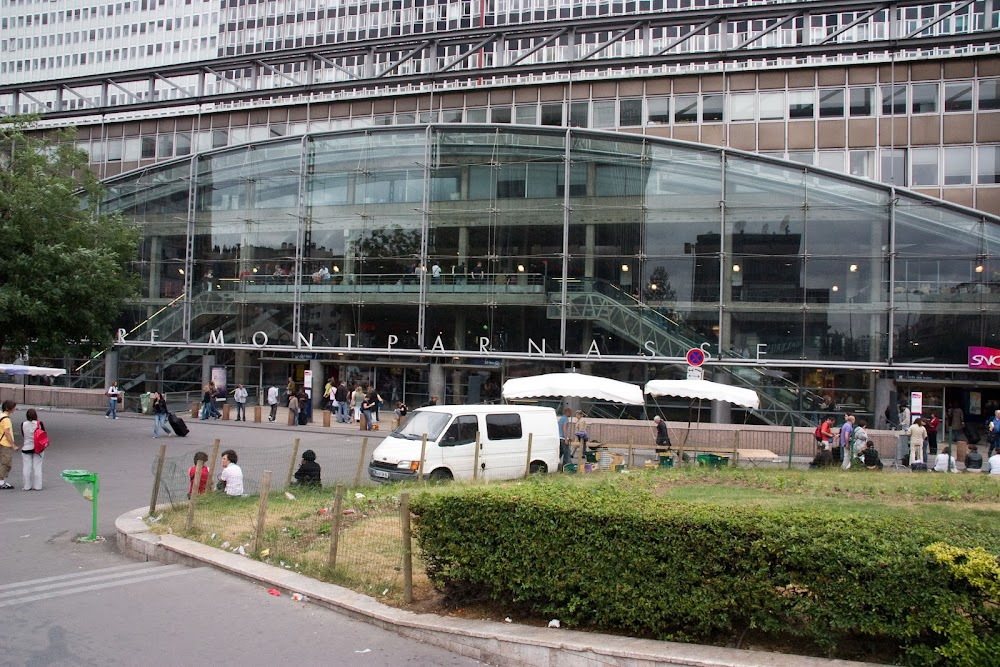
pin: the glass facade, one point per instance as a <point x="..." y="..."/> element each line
<point x="509" y="245"/>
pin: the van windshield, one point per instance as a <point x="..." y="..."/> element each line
<point x="419" y="422"/>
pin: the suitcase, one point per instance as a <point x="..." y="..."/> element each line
<point x="970" y="435"/>
<point x="303" y="418"/>
<point x="177" y="425"/>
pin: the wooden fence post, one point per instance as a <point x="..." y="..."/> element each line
<point x="423" y="452"/>
<point x="361" y="461"/>
<point x="291" y="464"/>
<point x="156" y="479"/>
<point x="265" y="489"/>
<point x="404" y="516"/>
<point x="527" y="464"/>
<point x="211" y="465"/>
<point x="195" y="485"/>
<point x="736" y="448"/>
<point x="338" y="504"/>
<point x="475" y="461"/>
<point x="791" y="446"/>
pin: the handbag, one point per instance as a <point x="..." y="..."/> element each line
<point x="41" y="439"/>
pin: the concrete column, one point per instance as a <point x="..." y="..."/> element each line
<point x="722" y="411"/>
<point x="457" y="392"/>
<point x="207" y="361"/>
<point x="110" y="367"/>
<point x="243" y="373"/>
<point x="319" y="381"/>
<point x="436" y="383"/>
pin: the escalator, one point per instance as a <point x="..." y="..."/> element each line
<point x="783" y="403"/>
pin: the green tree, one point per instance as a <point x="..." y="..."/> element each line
<point x="64" y="266"/>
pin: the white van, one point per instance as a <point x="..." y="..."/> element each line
<point x="451" y="443"/>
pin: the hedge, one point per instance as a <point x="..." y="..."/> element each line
<point x="614" y="559"/>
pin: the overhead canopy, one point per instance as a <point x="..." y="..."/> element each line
<point x="576" y="385"/>
<point x="712" y="391"/>
<point x="15" y="369"/>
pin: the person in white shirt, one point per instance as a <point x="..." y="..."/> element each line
<point x="436" y="273"/>
<point x="232" y="474"/>
<point x="112" y="394"/>
<point x="240" y="396"/>
<point x="945" y="462"/>
<point x="994" y="464"/>
<point x="272" y="400"/>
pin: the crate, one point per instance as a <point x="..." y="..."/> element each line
<point x="712" y="460"/>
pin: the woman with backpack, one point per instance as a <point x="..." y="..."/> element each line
<point x="32" y="451"/>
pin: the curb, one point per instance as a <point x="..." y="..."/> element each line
<point x="488" y="641"/>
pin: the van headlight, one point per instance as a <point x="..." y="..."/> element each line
<point x="409" y="465"/>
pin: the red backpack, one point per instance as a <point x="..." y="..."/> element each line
<point x="819" y="433"/>
<point x="41" y="439"/>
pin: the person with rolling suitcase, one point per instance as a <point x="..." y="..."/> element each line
<point x="177" y="424"/>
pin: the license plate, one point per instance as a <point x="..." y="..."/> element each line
<point x="380" y="473"/>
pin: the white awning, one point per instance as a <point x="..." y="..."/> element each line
<point x="15" y="369"/>
<point x="704" y="389"/>
<point x="576" y="385"/>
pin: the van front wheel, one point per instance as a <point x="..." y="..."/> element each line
<point x="538" y="468"/>
<point x="440" y="475"/>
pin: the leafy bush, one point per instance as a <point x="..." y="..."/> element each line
<point x="614" y="556"/>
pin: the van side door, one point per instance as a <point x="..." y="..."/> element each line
<point x="457" y="446"/>
<point x="504" y="448"/>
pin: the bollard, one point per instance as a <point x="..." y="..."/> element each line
<point x="326" y="418"/>
<point x="256" y="414"/>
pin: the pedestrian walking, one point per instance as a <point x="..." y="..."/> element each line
<point x="160" y="414"/>
<point x="7" y="446"/>
<point x="112" y="394"/>
<point x="272" y="400"/>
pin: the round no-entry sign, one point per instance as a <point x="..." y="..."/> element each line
<point x="696" y="356"/>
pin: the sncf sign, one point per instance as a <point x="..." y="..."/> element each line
<point x="984" y="358"/>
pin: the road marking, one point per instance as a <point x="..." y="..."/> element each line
<point x="71" y="587"/>
<point x="77" y="575"/>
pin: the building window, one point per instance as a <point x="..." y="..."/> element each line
<point x="958" y="165"/>
<point x="500" y="114"/>
<point x="772" y="106"/>
<point x="630" y="112"/>
<point x="892" y="165"/>
<point x="924" y="98"/>
<point x="989" y="94"/>
<point x="742" y="106"/>
<point x="862" y="102"/>
<point x="686" y="109"/>
<point x="893" y="100"/>
<point x="659" y="111"/>
<point x="578" y="114"/>
<point x="604" y="114"/>
<point x="552" y="114"/>
<point x="801" y="103"/>
<point x="924" y="163"/>
<point x="958" y="96"/>
<point x="988" y="170"/>
<point x="148" y="149"/>
<point x="712" y="108"/>
<point x="831" y="103"/>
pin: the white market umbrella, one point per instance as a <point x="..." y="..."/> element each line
<point x="704" y="389"/>
<point x="576" y="385"/>
<point x="17" y="369"/>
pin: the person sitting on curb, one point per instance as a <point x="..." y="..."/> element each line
<point x="870" y="456"/>
<point x="973" y="460"/>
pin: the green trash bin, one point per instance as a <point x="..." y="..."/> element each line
<point x="145" y="402"/>
<point x="86" y="483"/>
<point x="713" y="460"/>
<point x="666" y="460"/>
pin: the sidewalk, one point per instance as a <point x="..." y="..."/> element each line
<point x="491" y="642"/>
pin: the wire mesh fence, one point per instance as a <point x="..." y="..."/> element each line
<point x="355" y="535"/>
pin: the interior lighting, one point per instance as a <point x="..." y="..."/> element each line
<point x="520" y="268"/>
<point x="979" y="268"/>
<point x="625" y="268"/>
<point x="736" y="268"/>
<point x="835" y="288"/>
<point x="854" y="268"/>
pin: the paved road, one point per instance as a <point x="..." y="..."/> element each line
<point x="68" y="603"/>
